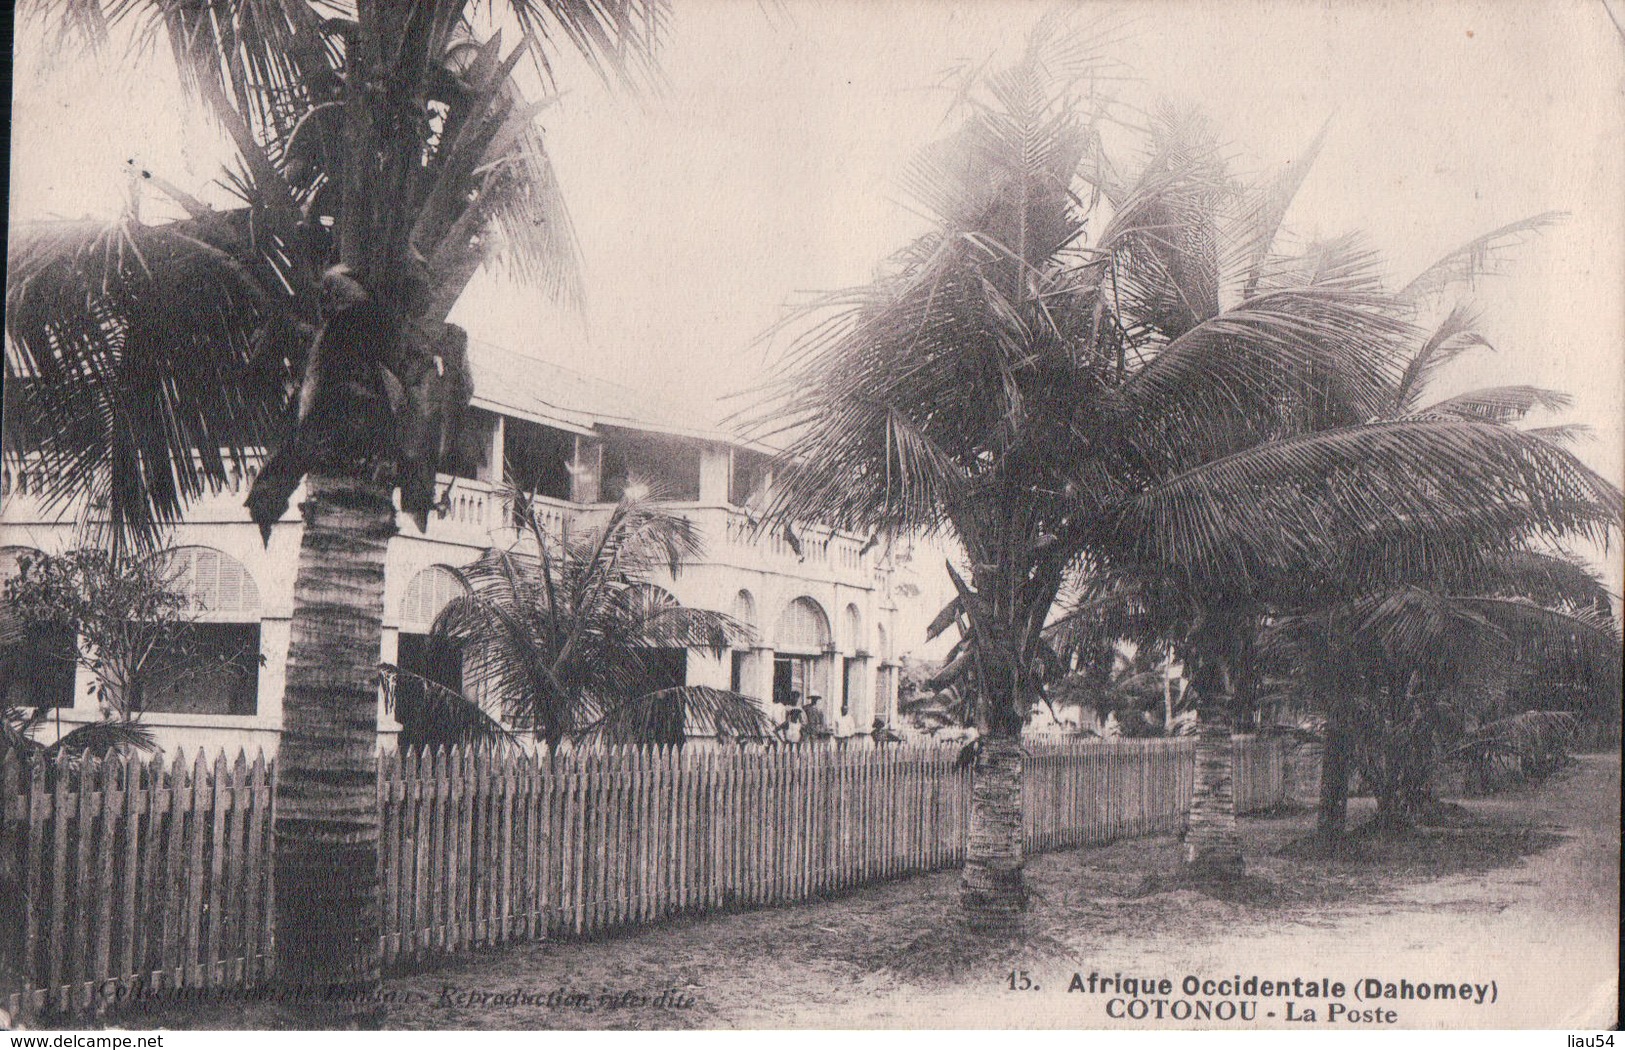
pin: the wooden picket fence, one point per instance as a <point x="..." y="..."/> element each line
<point x="480" y="851"/>
<point x="134" y="874"/>
<point x="137" y="875"/>
<point x="1259" y="773"/>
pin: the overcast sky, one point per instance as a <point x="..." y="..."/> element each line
<point x="769" y="164"/>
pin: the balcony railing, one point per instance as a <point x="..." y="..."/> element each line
<point x="840" y="552"/>
<point x="477" y="513"/>
<point x="482" y="507"/>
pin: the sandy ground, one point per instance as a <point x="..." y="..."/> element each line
<point x="1520" y="895"/>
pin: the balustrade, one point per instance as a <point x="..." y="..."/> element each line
<point x="818" y="546"/>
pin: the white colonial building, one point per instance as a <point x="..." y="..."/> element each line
<point x="825" y="616"/>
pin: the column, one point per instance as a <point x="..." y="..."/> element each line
<point x="714" y="471"/>
<point x="863" y="701"/>
<point x="496" y="469"/>
<point x="759" y="682"/>
<point x="389" y="728"/>
<point x="586" y="470"/>
<point x="826" y="673"/>
<point x="274" y="636"/>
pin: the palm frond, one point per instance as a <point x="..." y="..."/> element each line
<point x="1478" y="257"/>
<point x="266" y="57"/>
<point x="488" y="172"/>
<point x="1313" y="342"/>
<point x="147" y="360"/>
<point x="1263" y="213"/>
<point x="440" y="715"/>
<point x="619" y="40"/>
<point x="1163" y="236"/>
<point x="677" y="627"/>
<point x="98" y="739"/>
<point x="1557" y="580"/>
<point x="1584" y="625"/>
<point x="946" y="617"/>
<point x="1499" y="404"/>
<point x="1454" y="335"/>
<point x="1562" y="434"/>
<point x="667" y="715"/>
<point x="1525" y="735"/>
<point x="1419" y="627"/>
<point x="1297" y="501"/>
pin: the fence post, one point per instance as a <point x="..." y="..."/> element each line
<point x="232" y="912"/>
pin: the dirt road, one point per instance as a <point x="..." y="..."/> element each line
<point x="1542" y="931"/>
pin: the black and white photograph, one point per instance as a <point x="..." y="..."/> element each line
<point x="655" y="515"/>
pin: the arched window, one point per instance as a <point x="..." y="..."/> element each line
<point x="430" y="591"/>
<point x="662" y="659"/>
<point x="853" y="624"/>
<point x="421" y="656"/>
<point x="217" y="586"/>
<point x="214" y="666"/>
<point x="744" y="608"/>
<point x="802" y="628"/>
<point x="882" y="643"/>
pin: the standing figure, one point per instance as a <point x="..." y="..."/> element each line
<point x="793" y="726"/>
<point x="817" y="728"/>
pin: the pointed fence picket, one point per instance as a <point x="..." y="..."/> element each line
<point x="136" y="876"/>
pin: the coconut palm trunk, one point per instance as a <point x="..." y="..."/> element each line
<point x="1336" y="759"/>
<point x="992" y="887"/>
<point x="1004" y="611"/>
<point x="326" y="858"/>
<point x="1212" y="848"/>
<point x="1220" y="678"/>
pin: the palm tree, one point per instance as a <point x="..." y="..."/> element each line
<point x="566" y="638"/>
<point x="1469" y="553"/>
<point x="384" y="152"/>
<point x="1075" y="367"/>
<point x="1350" y="510"/>
<point x="1427" y="671"/>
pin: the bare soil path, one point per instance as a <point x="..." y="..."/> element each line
<point x="1523" y="896"/>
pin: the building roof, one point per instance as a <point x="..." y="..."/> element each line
<point x="518" y="384"/>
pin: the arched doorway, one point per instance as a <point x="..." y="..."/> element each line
<point x="801" y="640"/>
<point x="424" y="660"/>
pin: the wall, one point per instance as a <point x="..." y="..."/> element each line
<point x="831" y="569"/>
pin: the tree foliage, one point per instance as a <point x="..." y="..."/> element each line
<point x="1443" y="672"/>
<point x="384" y="151"/>
<point x="1115" y="371"/>
<point x="122" y="614"/>
<point x="152" y="361"/>
<point x="567" y="637"/>
<point x="1112" y="366"/>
